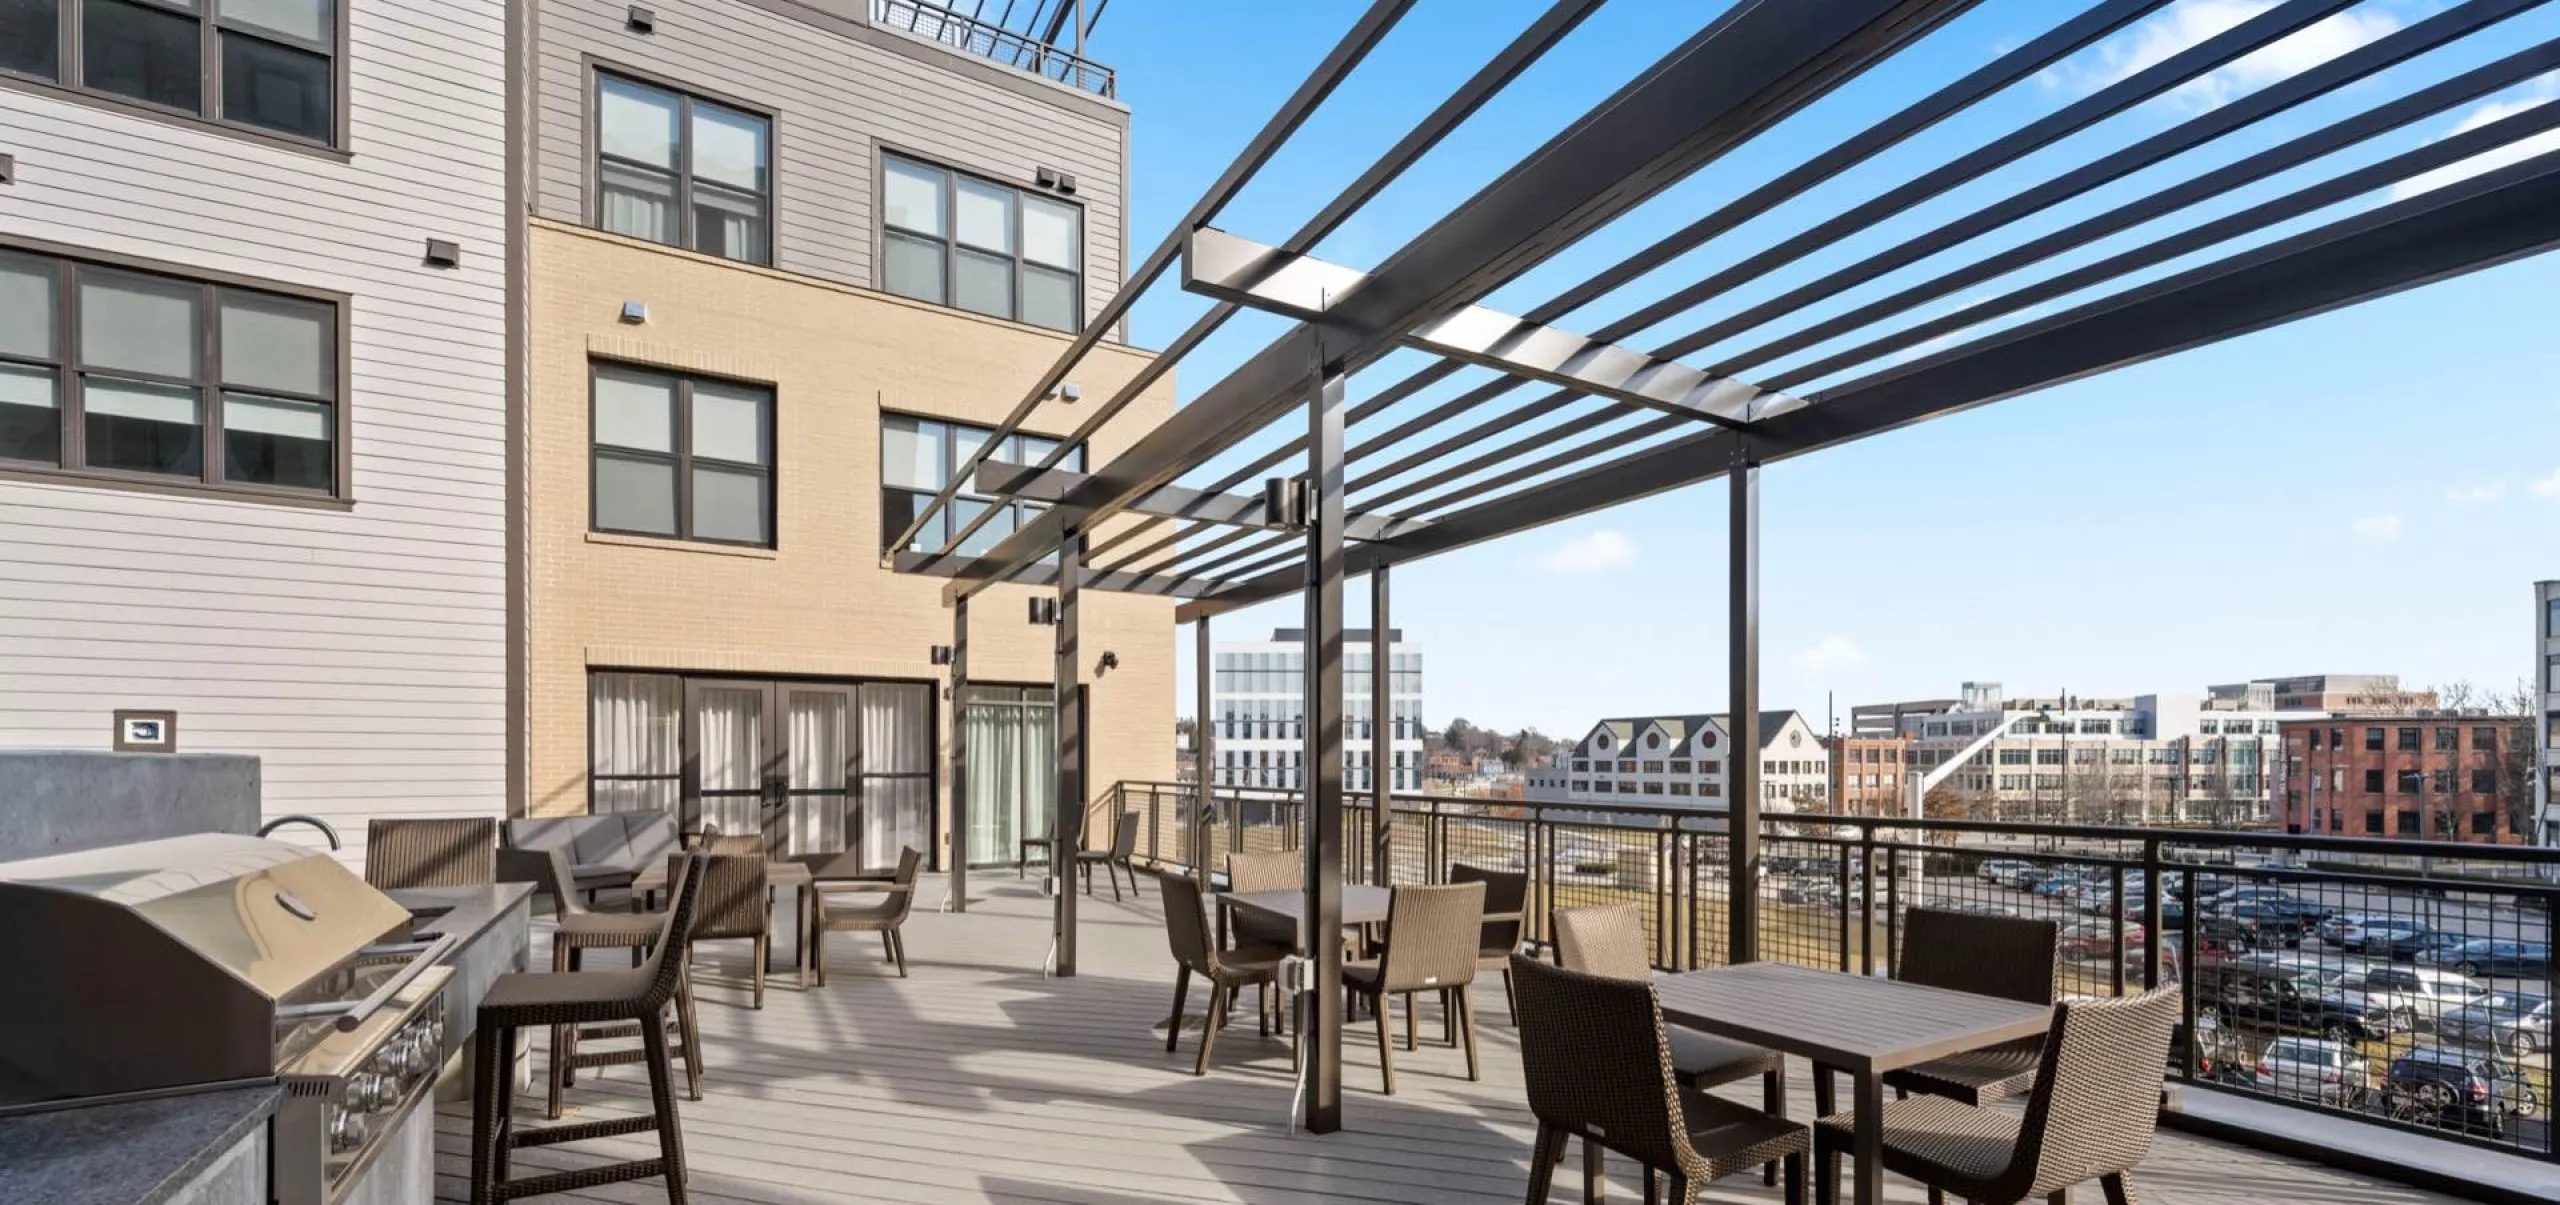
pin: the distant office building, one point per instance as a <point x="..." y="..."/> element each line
<point x="1679" y="761"/>
<point x="2334" y="694"/>
<point x="2431" y="774"/>
<point x="2145" y="759"/>
<point x="2546" y="643"/>
<point x="1866" y="774"/>
<point x="1260" y="702"/>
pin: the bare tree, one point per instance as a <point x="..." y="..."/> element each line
<point x="2511" y="711"/>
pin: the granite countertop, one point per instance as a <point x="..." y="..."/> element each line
<point x="133" y="1153"/>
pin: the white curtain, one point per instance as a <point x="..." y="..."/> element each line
<point x="897" y="764"/>
<point x="1040" y="776"/>
<point x="817" y="763"/>
<point x="995" y="779"/>
<point x="730" y="727"/>
<point x="635" y="727"/>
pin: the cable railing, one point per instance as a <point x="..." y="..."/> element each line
<point x="2408" y="984"/>
<point x="988" y="40"/>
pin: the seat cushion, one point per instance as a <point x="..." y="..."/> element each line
<point x="1706" y="1060"/>
<point x="648" y="837"/>
<point x="1937" y="1141"/>
<point x="551" y="832"/>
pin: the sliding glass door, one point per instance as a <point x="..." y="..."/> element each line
<point x="1013" y="760"/>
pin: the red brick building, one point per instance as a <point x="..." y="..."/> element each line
<point x="1866" y="774"/>
<point x="2411" y="775"/>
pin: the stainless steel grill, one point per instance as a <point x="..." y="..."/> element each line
<point x="209" y="960"/>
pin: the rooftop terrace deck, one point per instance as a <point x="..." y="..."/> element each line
<point x="979" y="1080"/>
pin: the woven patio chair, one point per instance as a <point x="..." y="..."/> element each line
<point x="1124" y="847"/>
<point x="738" y="845"/>
<point x="1506" y="903"/>
<point x="1431" y="947"/>
<point x="1597" y="1063"/>
<point x="1277" y="870"/>
<point x="2090" y="1117"/>
<point x="577" y="930"/>
<point x="886" y="916"/>
<point x="1186" y="931"/>
<point x="439" y="852"/>
<point x="737" y="905"/>
<point x="1608" y="940"/>
<point x="2011" y="957"/>
<point x="526" y="999"/>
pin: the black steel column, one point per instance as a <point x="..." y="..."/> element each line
<point x="958" y="774"/>
<point x="1381" y="732"/>
<point x="1204" y="746"/>
<point x="1742" y="783"/>
<point x="1323" y="842"/>
<point x="1066" y="831"/>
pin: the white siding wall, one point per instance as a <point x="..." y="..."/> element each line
<point x="361" y="653"/>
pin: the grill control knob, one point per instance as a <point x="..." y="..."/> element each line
<point x="347" y="1131"/>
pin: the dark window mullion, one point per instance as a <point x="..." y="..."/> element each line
<point x="69" y="70"/>
<point x="208" y="64"/>
<point x="209" y="369"/>
<point x="686" y="233"/>
<point x="684" y="458"/>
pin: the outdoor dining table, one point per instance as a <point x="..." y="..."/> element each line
<point x="1362" y="904"/>
<point x="785" y="952"/>
<point x="1856" y="1024"/>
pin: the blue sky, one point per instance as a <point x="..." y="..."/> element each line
<point x="2370" y="490"/>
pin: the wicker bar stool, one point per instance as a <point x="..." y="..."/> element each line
<point x="577" y="930"/>
<point x="437" y="852"/>
<point x="1597" y="1064"/>
<point x="530" y="998"/>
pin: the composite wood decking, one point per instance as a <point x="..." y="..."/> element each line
<point x="979" y="1079"/>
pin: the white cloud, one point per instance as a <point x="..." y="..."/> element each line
<point x="2379" y="528"/>
<point x="2548" y="488"/>
<point x="1595" y="552"/>
<point x="2543" y="91"/>
<point x="2189" y="22"/>
<point x="1833" y="652"/>
<point x="2476" y="495"/>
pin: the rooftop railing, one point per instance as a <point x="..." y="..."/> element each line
<point x="988" y="40"/>
<point x="2402" y="983"/>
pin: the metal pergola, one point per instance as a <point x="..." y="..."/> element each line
<point x="2258" y="222"/>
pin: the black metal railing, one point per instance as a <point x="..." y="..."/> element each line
<point x="988" y="40"/>
<point x="2408" y="984"/>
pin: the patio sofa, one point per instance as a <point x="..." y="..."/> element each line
<point x="606" y="850"/>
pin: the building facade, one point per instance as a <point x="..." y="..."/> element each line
<point x="2149" y="759"/>
<point x="1866" y="774"/>
<point x="2546" y="663"/>
<point x="788" y="270"/>
<point x="1679" y="761"/>
<point x="2339" y="694"/>
<point x="2435" y="775"/>
<point x="255" y="270"/>
<point x="1258" y="697"/>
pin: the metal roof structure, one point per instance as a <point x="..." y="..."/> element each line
<point x="2071" y="255"/>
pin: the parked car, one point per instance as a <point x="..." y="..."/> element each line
<point x="2313" y="1069"/>
<point x="2419" y="996"/>
<point x="2088" y="941"/>
<point x="2421" y="945"/>
<point x="2255" y="925"/>
<point x="2357" y="931"/>
<point x="2248" y="992"/>
<point x="2057" y="884"/>
<point x="2001" y="870"/>
<point x="2507" y="1024"/>
<point x="2490" y="956"/>
<point x="2467" y="1089"/>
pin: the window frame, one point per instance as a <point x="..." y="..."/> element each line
<point x="949" y="239"/>
<point x="768" y="202"/>
<point x="682" y="457"/>
<point x="70" y="70"/>
<point x="70" y="264"/>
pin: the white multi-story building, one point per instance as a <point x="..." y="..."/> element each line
<point x="1259" y="701"/>
<point x="2150" y="758"/>
<point x="1679" y="761"/>
<point x="2546" y="646"/>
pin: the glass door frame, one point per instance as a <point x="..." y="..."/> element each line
<point x="1040" y="696"/>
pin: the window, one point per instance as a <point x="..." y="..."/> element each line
<point x="2484" y="824"/>
<point x="265" y="65"/>
<point x="2015" y="757"/>
<point x="2551" y="617"/>
<point x="2373" y="782"/>
<point x="688" y="458"/>
<point x="1627" y="765"/>
<point x="2373" y="822"/>
<point x="1653" y="767"/>
<point x="1581" y="765"/>
<point x="1679" y="766"/>
<point x="917" y="455"/>
<point x="676" y="169"/>
<point x="2209" y="727"/>
<point x="2410" y="781"/>
<point x="2338" y="738"/>
<point x="2373" y="740"/>
<point x="2440" y="782"/>
<point x="2315" y="739"/>
<point x="2408" y="740"/>
<point x="170" y="380"/>
<point x="1653" y="788"/>
<point x="2406" y="823"/>
<point x="1679" y="788"/>
<point x="2448" y="739"/>
<point x="2484" y="740"/>
<point x="1581" y="785"/>
<point x="976" y="245"/>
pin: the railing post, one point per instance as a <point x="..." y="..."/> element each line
<point x="2550" y="985"/>
<point x="1892" y="910"/>
<point x="2153" y="896"/>
<point x="2116" y="918"/>
<point x="1849" y="905"/>
<point x="1866" y="899"/>
<point x="2188" y="957"/>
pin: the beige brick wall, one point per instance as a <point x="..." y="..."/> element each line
<point x="818" y="603"/>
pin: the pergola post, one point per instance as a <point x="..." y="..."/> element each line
<point x="1742" y="781"/>
<point x="1204" y="744"/>
<point x="1066" y="834"/>
<point x="1323" y="839"/>
<point x="958" y="773"/>
<point x="1381" y="734"/>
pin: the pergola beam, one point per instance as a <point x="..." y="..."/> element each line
<point x="1033" y="484"/>
<point x="1223" y="266"/>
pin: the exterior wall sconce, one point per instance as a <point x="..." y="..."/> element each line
<point x="1044" y="612"/>
<point x="1110" y="662"/>
<point x="635" y="312"/>
<point x="942" y="654"/>
<point x="1286" y="502"/>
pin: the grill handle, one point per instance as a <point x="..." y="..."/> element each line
<point x="353" y="1013"/>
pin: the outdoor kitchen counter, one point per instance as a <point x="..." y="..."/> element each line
<point x="494" y="926"/>
<point x="204" y="1148"/>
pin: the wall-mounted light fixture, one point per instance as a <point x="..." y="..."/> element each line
<point x="1110" y="662"/>
<point x="1044" y="612"/>
<point x="635" y="312"/>
<point x="1286" y="502"/>
<point x="942" y="654"/>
